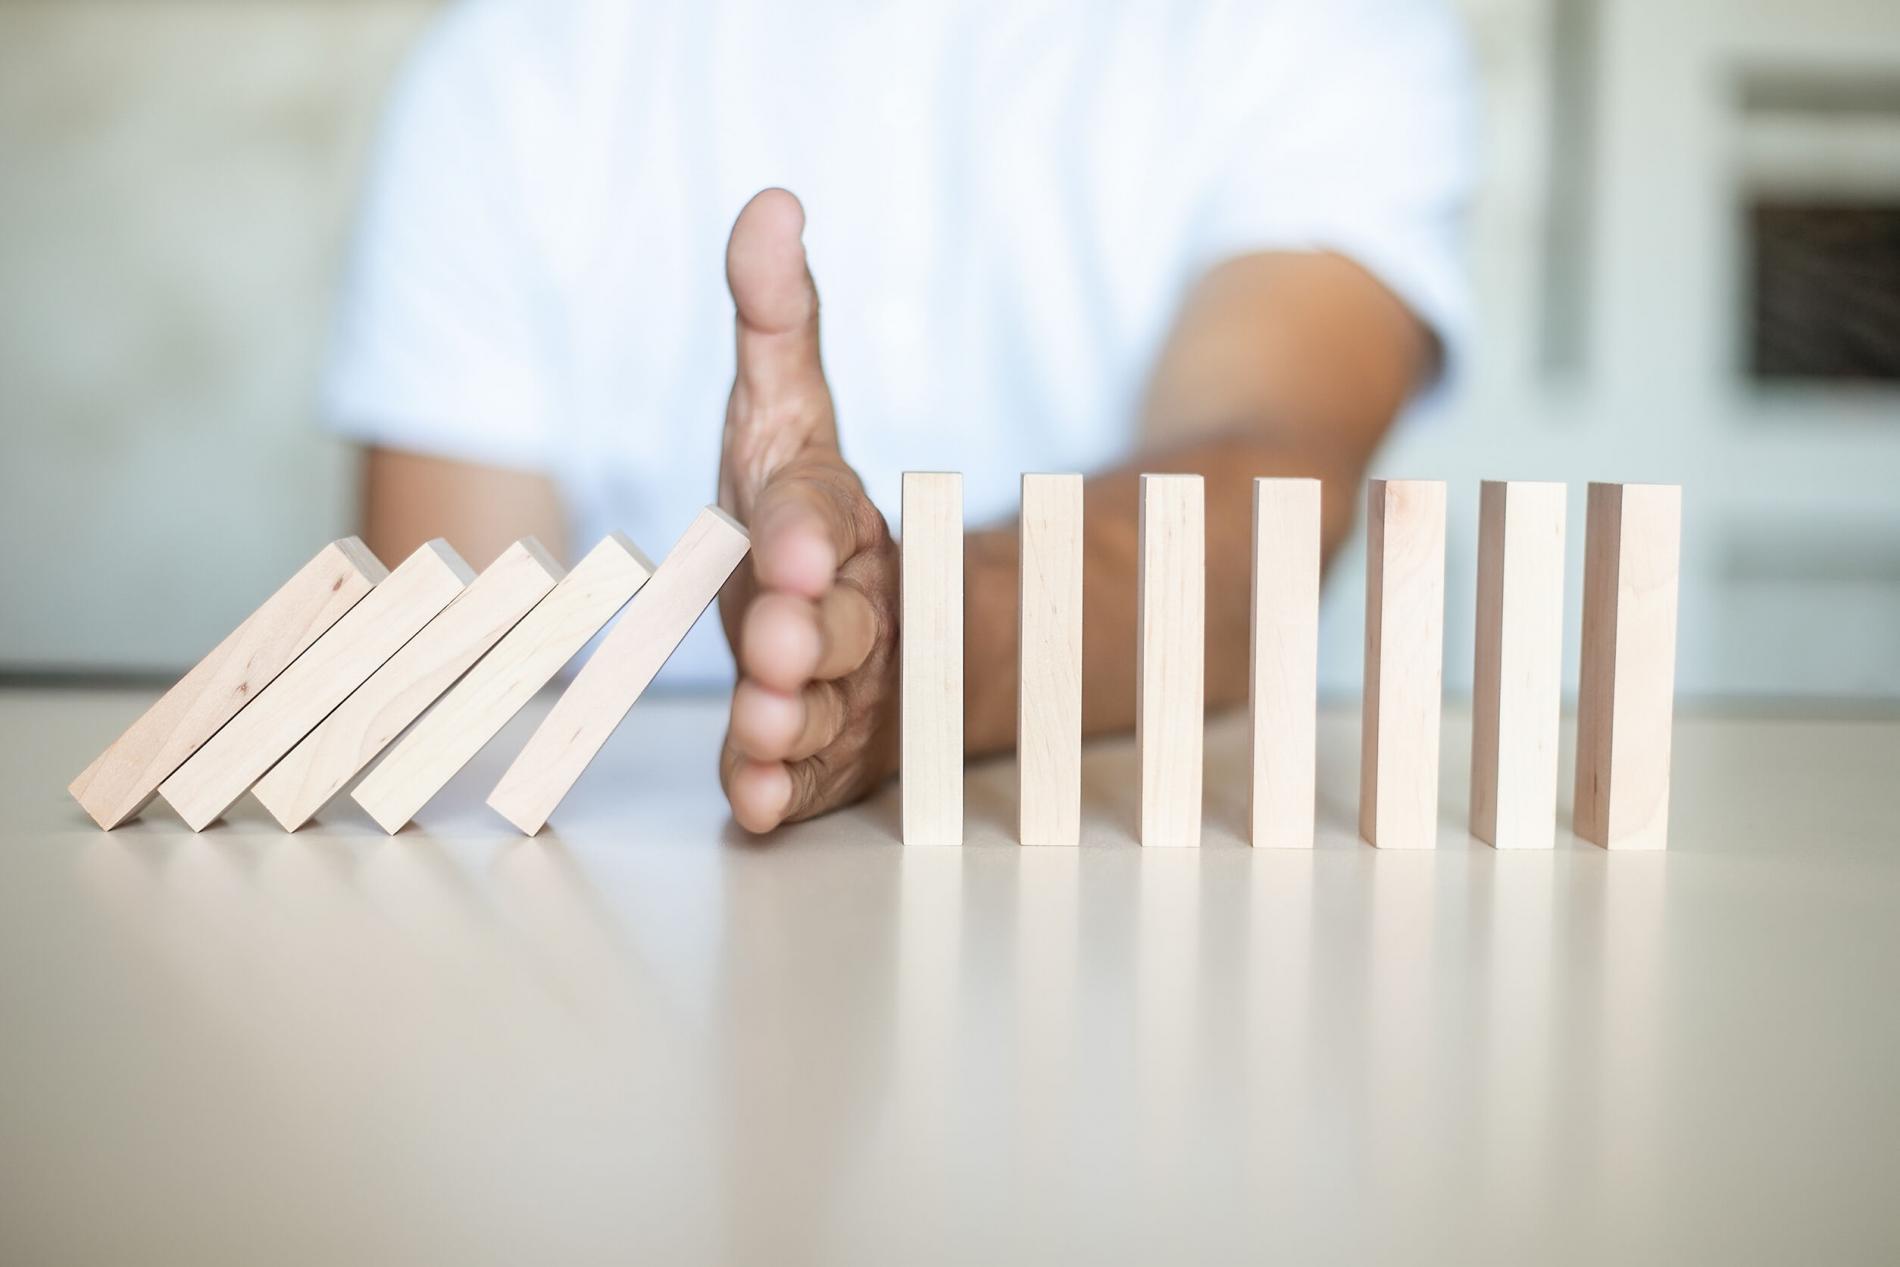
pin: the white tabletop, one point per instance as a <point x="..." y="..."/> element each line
<point x="642" y="1037"/>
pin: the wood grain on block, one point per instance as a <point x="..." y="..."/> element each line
<point x="121" y="780"/>
<point x="1170" y="678"/>
<point x="1517" y="678"/>
<point x="1626" y="691"/>
<point x="494" y="690"/>
<point x="687" y="580"/>
<point x="317" y="681"/>
<point x="1405" y="635"/>
<point x="931" y="650"/>
<point x="412" y="679"/>
<point x="1283" y="661"/>
<point x="1049" y="649"/>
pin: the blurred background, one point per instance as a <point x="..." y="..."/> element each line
<point x="1686" y="252"/>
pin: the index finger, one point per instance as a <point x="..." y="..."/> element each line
<point x="806" y="522"/>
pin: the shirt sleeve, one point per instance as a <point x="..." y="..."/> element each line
<point x="435" y="347"/>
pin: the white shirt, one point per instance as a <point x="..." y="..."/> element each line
<point x="1005" y="200"/>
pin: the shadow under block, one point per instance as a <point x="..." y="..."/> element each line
<point x="931" y="651"/>
<point x="1170" y="678"/>
<point x="317" y="681"/>
<point x="396" y="694"/>
<point x="525" y="660"/>
<point x="1049" y="649"/>
<point x="1626" y="689"/>
<point x="121" y="780"/>
<point x="569" y="737"/>
<point x="1405" y="637"/>
<point x="1283" y="662"/>
<point x="1517" y="677"/>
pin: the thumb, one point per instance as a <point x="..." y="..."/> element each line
<point x="779" y="390"/>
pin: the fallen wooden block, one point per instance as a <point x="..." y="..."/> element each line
<point x="1517" y="680"/>
<point x="525" y="660"/>
<point x="1049" y="656"/>
<point x="302" y="695"/>
<point x="412" y="679"/>
<point x="1283" y="662"/>
<point x="1626" y="691"/>
<point x="122" y="779"/>
<point x="931" y="651"/>
<point x="570" y="736"/>
<point x="1170" y="679"/>
<point x="1405" y="635"/>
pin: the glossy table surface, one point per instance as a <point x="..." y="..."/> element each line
<point x="642" y="1037"/>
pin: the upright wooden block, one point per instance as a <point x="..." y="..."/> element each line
<point x="932" y="656"/>
<point x="1626" y="694"/>
<point x="412" y="679"/>
<point x="320" y="679"/>
<point x="1518" y="671"/>
<point x="1049" y="654"/>
<point x="1170" y="681"/>
<point x="121" y="780"/>
<point x="1283" y="661"/>
<point x="1405" y="636"/>
<point x="598" y="698"/>
<point x="525" y="660"/>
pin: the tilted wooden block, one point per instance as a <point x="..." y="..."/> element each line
<point x="1405" y="636"/>
<point x="1049" y="655"/>
<point x="931" y="651"/>
<point x="1626" y="692"/>
<point x="687" y="580"/>
<point x="1283" y="662"/>
<point x="1170" y="678"/>
<point x="1517" y="680"/>
<point x="302" y="695"/>
<point x="122" y="779"/>
<point x="412" y="679"/>
<point x="525" y="660"/>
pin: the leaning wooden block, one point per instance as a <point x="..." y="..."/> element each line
<point x="1626" y="693"/>
<point x="1405" y="635"/>
<point x="524" y="661"/>
<point x="687" y="580"/>
<point x="1283" y="663"/>
<point x="320" y="679"/>
<point x="1170" y="651"/>
<point x="121" y="780"/>
<point x="412" y="679"/>
<point x="1517" y="678"/>
<point x="931" y="652"/>
<point x="1049" y="655"/>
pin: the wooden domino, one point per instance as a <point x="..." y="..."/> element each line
<point x="1626" y="691"/>
<point x="1049" y="655"/>
<point x="317" y="681"/>
<point x="931" y="654"/>
<point x="1517" y="679"/>
<point x="1170" y="686"/>
<point x="1283" y="662"/>
<point x="686" y="582"/>
<point x="1405" y="633"/>
<point x="412" y="679"/>
<point x="525" y="660"/>
<point x="123" y="778"/>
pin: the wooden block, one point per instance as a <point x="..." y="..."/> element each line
<point x="321" y="678"/>
<point x="1049" y="651"/>
<point x="1517" y="679"/>
<point x="122" y="779"/>
<point x="1170" y="678"/>
<point x="412" y="679"/>
<point x="932" y="655"/>
<point x="1283" y="661"/>
<point x="1405" y="636"/>
<point x="1626" y="693"/>
<point x="687" y="580"/>
<point x="525" y="660"/>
